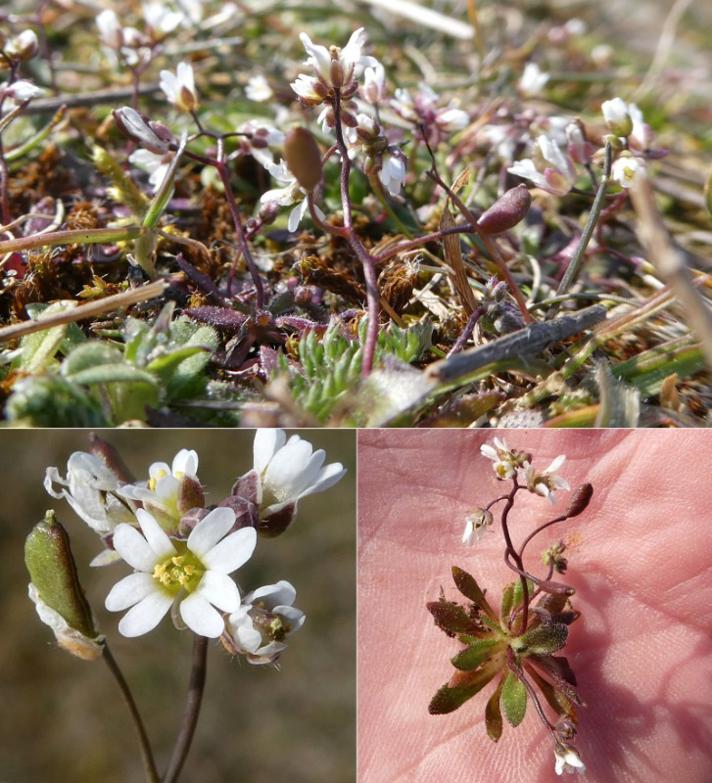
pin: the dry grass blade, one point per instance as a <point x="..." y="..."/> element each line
<point x="453" y="256"/>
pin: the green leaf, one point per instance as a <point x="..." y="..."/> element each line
<point x="169" y="360"/>
<point x="113" y="373"/>
<point x="40" y="348"/>
<point x="52" y="401"/>
<point x="478" y="652"/>
<point x="451" y="617"/>
<point x="542" y="640"/>
<point x="460" y="689"/>
<point x="514" y="699"/>
<point x="493" y="713"/>
<point x="507" y="601"/>
<point x="518" y="597"/>
<point x="468" y="586"/>
<point x="88" y="356"/>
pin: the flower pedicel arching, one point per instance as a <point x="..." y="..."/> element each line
<point x="182" y="553"/>
<point x="517" y="646"/>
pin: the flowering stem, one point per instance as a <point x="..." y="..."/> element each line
<point x="574" y="266"/>
<point x="224" y="174"/>
<point x="511" y="552"/>
<point x="192" y="709"/>
<point x="537" y="531"/>
<point x="368" y="262"/>
<point x="149" y="765"/>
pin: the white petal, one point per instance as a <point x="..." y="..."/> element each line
<point x="329" y="476"/>
<point x="248" y="637"/>
<point x="146" y="615"/>
<point x="129" y="591"/>
<point x="155" y="535"/>
<point x="282" y="593"/>
<point x="200" y="617"/>
<point x="52" y="477"/>
<point x="231" y="552"/>
<point x="220" y="590"/>
<point x="185" y="462"/>
<point x="296" y="215"/>
<point x="295" y="617"/>
<point x="210" y="530"/>
<point x="104" y="558"/>
<point x="267" y="442"/>
<point x="285" y="470"/>
<point x="134" y="548"/>
<point x="169" y="84"/>
<point x="556" y="464"/>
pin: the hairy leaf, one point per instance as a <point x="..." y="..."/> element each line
<point x="542" y="640"/>
<point x="561" y="675"/>
<point x="558" y="702"/>
<point x="460" y="689"/>
<point x="514" y="699"/>
<point x="468" y="586"/>
<point x="507" y="601"/>
<point x="478" y="652"/>
<point x="493" y="713"/>
<point x="451" y="617"/>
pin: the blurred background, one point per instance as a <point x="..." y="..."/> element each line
<point x="63" y="719"/>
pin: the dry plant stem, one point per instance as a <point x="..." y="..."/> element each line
<point x="574" y="267"/>
<point x="368" y="262"/>
<point x="670" y="263"/>
<point x="192" y="709"/>
<point x="466" y="333"/>
<point x="90" y="309"/>
<point x="149" y="765"/>
<point x="224" y="175"/>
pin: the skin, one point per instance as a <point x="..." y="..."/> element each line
<point x="639" y="559"/>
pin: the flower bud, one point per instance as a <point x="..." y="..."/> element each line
<point x="138" y="128"/>
<point x="506" y="212"/>
<point x="274" y="524"/>
<point x="190" y="494"/>
<point x="303" y="157"/>
<point x="22" y="47"/>
<point x="579" y="501"/>
<point x="617" y="116"/>
<point x="56" y="591"/>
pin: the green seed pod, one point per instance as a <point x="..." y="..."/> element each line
<point x="56" y="590"/>
<point x="303" y="157"/>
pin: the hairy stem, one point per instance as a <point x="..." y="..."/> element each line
<point x="149" y="765"/>
<point x="192" y="710"/>
<point x="512" y="552"/>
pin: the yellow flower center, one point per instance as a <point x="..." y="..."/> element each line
<point x="179" y="572"/>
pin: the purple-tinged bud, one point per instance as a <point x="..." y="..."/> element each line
<point x="190" y="495"/>
<point x="190" y="520"/>
<point x="303" y="157"/>
<point x="506" y="212"/>
<point x="273" y="525"/>
<point x="110" y="457"/>
<point x="248" y="487"/>
<point x="579" y="501"/>
<point x="138" y="128"/>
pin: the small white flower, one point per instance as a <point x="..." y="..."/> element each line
<point x="179" y="87"/>
<point x="616" y="114"/>
<point x="20" y="91"/>
<point x="545" y="483"/>
<point x="567" y="759"/>
<point x="160" y="495"/>
<point x="626" y="169"/>
<point x="288" y="194"/>
<point x="156" y="166"/>
<point x="452" y="119"/>
<point x="374" y="83"/>
<point x="551" y="170"/>
<point x="194" y="573"/>
<point x="68" y="638"/>
<point x="289" y="470"/>
<point x="533" y="80"/>
<point x="476" y="524"/>
<point x="641" y="136"/>
<point x="91" y="491"/>
<point x="111" y="33"/>
<point x="161" y="18"/>
<point x="21" y="47"/>
<point x="258" y="89"/>
<point x="392" y="173"/>
<point x="259" y="628"/>
<point x="505" y="461"/>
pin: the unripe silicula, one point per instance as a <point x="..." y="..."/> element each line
<point x="579" y="500"/>
<point x="303" y="157"/>
<point x="506" y="212"/>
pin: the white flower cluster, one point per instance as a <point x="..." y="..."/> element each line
<point x="183" y="554"/>
<point x="508" y="463"/>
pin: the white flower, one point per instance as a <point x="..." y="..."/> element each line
<point x="161" y="494"/>
<point x="476" y="524"/>
<point x="374" y="83"/>
<point x="545" y="483"/>
<point x="289" y="470"/>
<point x="68" y="638"/>
<point x="267" y="617"/>
<point x="505" y="461"/>
<point x="110" y="31"/>
<point x="21" y="47"/>
<point x="161" y="18"/>
<point x="616" y="114"/>
<point x="155" y="165"/>
<point x="392" y="172"/>
<point x="179" y="87"/>
<point x="422" y="108"/>
<point x="567" y="759"/>
<point x="91" y="490"/>
<point x="452" y="119"/>
<point x="258" y="89"/>
<point x="626" y="169"/>
<point x="287" y="195"/>
<point x="533" y="80"/>
<point x="641" y="136"/>
<point x="193" y="572"/>
<point x="20" y="91"/>
<point x="258" y="141"/>
<point x="551" y="170"/>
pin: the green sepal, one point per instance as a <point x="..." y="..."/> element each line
<point x="493" y="713"/>
<point x="451" y="696"/>
<point x="49" y="560"/>
<point x="467" y="585"/>
<point x="514" y="699"/>
<point x="478" y="652"/>
<point x="542" y="640"/>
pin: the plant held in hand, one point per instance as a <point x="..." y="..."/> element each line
<point x="518" y="647"/>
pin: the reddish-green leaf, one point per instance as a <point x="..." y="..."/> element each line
<point x="478" y="652"/>
<point x="556" y="699"/>
<point x="468" y="586"/>
<point x="460" y="688"/>
<point x="452" y="618"/>
<point x="507" y="601"/>
<point x="514" y="699"/>
<point x="493" y="713"/>
<point x="562" y="677"/>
